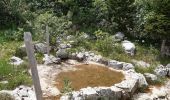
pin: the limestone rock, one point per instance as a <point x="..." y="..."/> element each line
<point x="161" y="71"/>
<point x="127" y="66"/>
<point x="150" y="77"/>
<point x="129" y="86"/>
<point x="141" y="63"/>
<point x="41" y="47"/>
<point x="62" y="54"/>
<point x="50" y="59"/>
<point x="16" y="60"/>
<point x="129" y="47"/>
<point x="115" y="64"/>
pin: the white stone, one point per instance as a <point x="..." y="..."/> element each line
<point x="129" y="85"/>
<point x="140" y="63"/>
<point x="127" y="66"/>
<point x="115" y="64"/>
<point x="16" y="60"/>
<point x="119" y="35"/>
<point x="50" y="59"/>
<point x="150" y="77"/>
<point x="41" y="47"/>
<point x="129" y="47"/>
<point x="161" y="70"/>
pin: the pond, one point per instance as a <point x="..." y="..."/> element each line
<point x="92" y="75"/>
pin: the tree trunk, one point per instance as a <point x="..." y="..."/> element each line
<point x="163" y="48"/>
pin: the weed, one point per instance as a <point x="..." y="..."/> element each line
<point x="67" y="86"/>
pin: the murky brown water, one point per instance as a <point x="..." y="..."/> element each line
<point x="89" y="75"/>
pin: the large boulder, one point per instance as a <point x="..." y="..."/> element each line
<point x="62" y="54"/>
<point x="16" y="60"/>
<point x="115" y="64"/>
<point x="129" y="47"/>
<point x="41" y="47"/>
<point x="129" y="85"/>
<point x="131" y="74"/>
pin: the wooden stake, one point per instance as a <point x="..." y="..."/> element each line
<point x="33" y="64"/>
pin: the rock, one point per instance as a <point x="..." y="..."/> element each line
<point x="129" y="47"/>
<point x="16" y="60"/>
<point x="62" y="54"/>
<point x="41" y="47"/>
<point x="168" y="68"/>
<point x="115" y="64"/>
<point x="64" y="46"/>
<point x="89" y="93"/>
<point x="113" y="93"/>
<point x="127" y="66"/>
<point x="51" y="59"/>
<point x="150" y="77"/>
<point x="80" y="56"/>
<point x="24" y="93"/>
<point x="131" y="74"/>
<point x="141" y="63"/>
<point x="129" y="85"/>
<point x="3" y="82"/>
<point x="119" y="35"/>
<point x="161" y="71"/>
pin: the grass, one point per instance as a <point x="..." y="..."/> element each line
<point x="15" y="75"/>
<point x="89" y="75"/>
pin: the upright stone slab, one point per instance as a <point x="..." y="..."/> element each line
<point x="33" y="64"/>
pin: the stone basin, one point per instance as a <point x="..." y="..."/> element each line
<point x="89" y="75"/>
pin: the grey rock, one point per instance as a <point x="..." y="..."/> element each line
<point x="141" y="63"/>
<point x="62" y="54"/>
<point x="119" y="35"/>
<point x="131" y="74"/>
<point x="50" y="59"/>
<point x="150" y="77"/>
<point x="3" y="82"/>
<point x="64" y="46"/>
<point x="41" y="47"/>
<point x="80" y="56"/>
<point x="161" y="71"/>
<point x="115" y="64"/>
<point x="129" y="85"/>
<point x="127" y="66"/>
<point x="129" y="47"/>
<point x="16" y="60"/>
